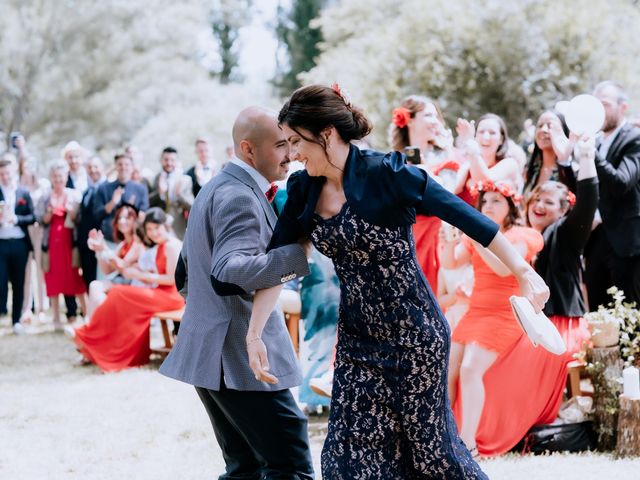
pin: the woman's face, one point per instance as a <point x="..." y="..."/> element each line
<point x="155" y="232"/>
<point x="495" y="206"/>
<point x="544" y="209"/>
<point x="126" y="223"/>
<point x="312" y="155"/>
<point x="488" y="135"/>
<point x="58" y="179"/>
<point x="424" y="126"/>
<point x="543" y="128"/>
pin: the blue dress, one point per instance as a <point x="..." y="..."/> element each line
<point x="390" y="414"/>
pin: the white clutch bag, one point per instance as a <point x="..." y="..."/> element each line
<point x="537" y="326"/>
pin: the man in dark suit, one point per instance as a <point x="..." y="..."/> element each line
<point x="204" y="169"/>
<point x="87" y="220"/>
<point x="613" y="252"/>
<point x="16" y="214"/>
<point x="111" y="194"/>
<point x="260" y="429"/>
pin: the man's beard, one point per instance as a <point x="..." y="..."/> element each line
<point x="610" y="124"/>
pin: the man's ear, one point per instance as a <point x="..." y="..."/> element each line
<point x="247" y="150"/>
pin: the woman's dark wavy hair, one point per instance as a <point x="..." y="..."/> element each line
<point x="503" y="149"/>
<point x="536" y="155"/>
<point x="316" y="107"/>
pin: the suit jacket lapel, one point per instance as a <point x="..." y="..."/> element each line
<point x="238" y="173"/>
<point x="617" y="143"/>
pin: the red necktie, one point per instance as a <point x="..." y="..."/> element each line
<point x="271" y="193"/>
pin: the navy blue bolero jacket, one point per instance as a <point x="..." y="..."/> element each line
<point x="383" y="190"/>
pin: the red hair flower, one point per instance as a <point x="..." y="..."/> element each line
<point x="400" y="117"/>
<point x="503" y="188"/>
<point x="446" y="165"/>
<point x="342" y="93"/>
<point x="571" y="199"/>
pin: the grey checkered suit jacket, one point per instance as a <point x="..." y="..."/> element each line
<point x="230" y="225"/>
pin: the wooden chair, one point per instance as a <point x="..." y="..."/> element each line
<point x="168" y="336"/>
<point x="574" y="371"/>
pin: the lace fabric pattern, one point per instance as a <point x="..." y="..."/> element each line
<point x="390" y="414"/>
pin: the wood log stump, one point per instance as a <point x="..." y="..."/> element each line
<point x="628" y="427"/>
<point x="605" y="370"/>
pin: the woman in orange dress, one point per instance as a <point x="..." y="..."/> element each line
<point x="488" y="329"/>
<point x="419" y="122"/>
<point x="529" y="377"/>
<point x="118" y="335"/>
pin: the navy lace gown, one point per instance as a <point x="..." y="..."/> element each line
<point x="390" y="416"/>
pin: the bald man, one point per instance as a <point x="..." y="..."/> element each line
<point x="259" y="427"/>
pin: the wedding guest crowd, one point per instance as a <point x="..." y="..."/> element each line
<point x="73" y="232"/>
<point x="571" y="210"/>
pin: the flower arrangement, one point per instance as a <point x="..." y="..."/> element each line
<point x="621" y="317"/>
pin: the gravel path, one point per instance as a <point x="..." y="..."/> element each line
<point x="59" y="421"/>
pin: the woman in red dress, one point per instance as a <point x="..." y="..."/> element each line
<point x="118" y="335"/>
<point x="111" y="263"/>
<point x="488" y="329"/>
<point x="419" y="122"/>
<point x="532" y="378"/>
<point x="56" y="213"/>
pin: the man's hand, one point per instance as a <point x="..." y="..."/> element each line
<point x="258" y="360"/>
<point x="117" y="196"/>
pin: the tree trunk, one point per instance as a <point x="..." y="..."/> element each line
<point x="628" y="427"/>
<point x="605" y="371"/>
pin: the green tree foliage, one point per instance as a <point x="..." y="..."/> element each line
<point x="227" y="18"/>
<point x="94" y="71"/>
<point x="299" y="36"/>
<point x="512" y="58"/>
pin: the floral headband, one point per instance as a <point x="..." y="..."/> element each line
<point x="502" y="188"/>
<point x="342" y="93"/>
<point x="446" y="165"/>
<point x="400" y="117"/>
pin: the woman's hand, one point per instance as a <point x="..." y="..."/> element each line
<point x="258" y="360"/>
<point x="562" y="146"/>
<point x="466" y="130"/>
<point x="533" y="288"/>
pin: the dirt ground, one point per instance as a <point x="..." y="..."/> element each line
<point x="60" y="421"/>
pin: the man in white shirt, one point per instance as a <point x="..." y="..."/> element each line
<point x="16" y="213"/>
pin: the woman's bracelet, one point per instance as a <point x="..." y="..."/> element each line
<point x="253" y="340"/>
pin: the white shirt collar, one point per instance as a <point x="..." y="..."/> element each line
<point x="262" y="182"/>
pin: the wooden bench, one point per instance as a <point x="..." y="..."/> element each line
<point x="168" y="336"/>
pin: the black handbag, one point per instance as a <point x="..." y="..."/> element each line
<point x="567" y="437"/>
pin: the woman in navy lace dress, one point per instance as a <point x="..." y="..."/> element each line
<point x="390" y="416"/>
